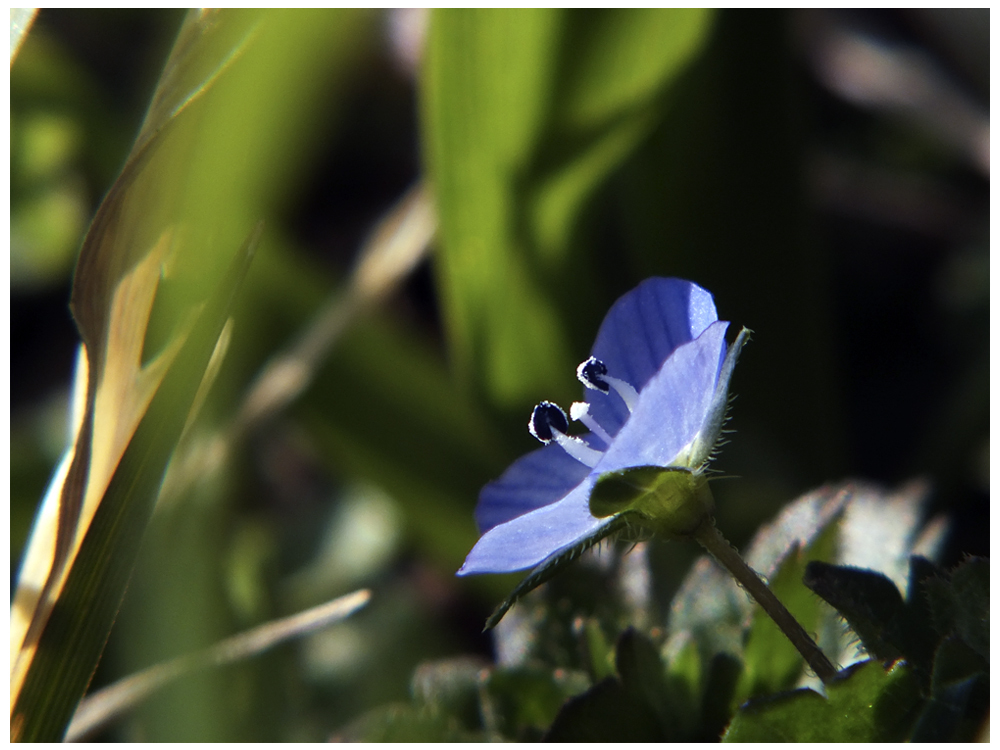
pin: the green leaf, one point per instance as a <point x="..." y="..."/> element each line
<point x="636" y="706"/>
<point x="525" y="701"/>
<point x="971" y="584"/>
<point x="451" y="687"/>
<point x="647" y="701"/>
<point x="869" y="601"/>
<point x="404" y="723"/>
<point x="723" y="676"/>
<point x="917" y="636"/>
<point x="527" y="112"/>
<point x="605" y="713"/>
<point x="962" y="605"/>
<point x="954" y="661"/>
<point x="866" y="704"/>
<point x="74" y="635"/>
<point x="889" y="628"/>
<point x="215" y="152"/>
<point x="642" y="673"/>
<point x="599" y="651"/>
<point x="955" y="713"/>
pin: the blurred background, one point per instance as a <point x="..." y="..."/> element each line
<point x="824" y="173"/>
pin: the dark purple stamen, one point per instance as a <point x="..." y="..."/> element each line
<point x="591" y="373"/>
<point x="545" y="418"/>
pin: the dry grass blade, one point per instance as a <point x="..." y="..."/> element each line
<point x="107" y="704"/>
<point x="20" y="22"/>
<point x="396" y="245"/>
<point x="118" y="273"/>
<point x="64" y="643"/>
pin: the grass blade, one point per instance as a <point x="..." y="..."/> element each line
<point x="107" y="704"/>
<point x="73" y="636"/>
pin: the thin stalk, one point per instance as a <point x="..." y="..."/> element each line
<point x="709" y="537"/>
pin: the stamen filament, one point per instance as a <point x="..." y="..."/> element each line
<point x="548" y="423"/>
<point x="623" y="389"/>
<point x="578" y="449"/>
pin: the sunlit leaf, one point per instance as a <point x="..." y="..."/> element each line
<point x="60" y="659"/>
<point x="159" y="246"/>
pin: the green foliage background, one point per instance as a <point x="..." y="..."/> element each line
<point x="570" y="155"/>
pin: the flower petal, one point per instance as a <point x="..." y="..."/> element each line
<point x="640" y="331"/>
<point x="528" y="540"/>
<point x="673" y="407"/>
<point x="540" y="478"/>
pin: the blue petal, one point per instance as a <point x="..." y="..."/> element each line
<point x="540" y="478"/>
<point x="640" y="331"/>
<point x="529" y="539"/>
<point x="672" y="408"/>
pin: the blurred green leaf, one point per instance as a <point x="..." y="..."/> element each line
<point x="599" y="651"/>
<point x="771" y="662"/>
<point x="715" y="612"/>
<point x="404" y="723"/>
<point x="633" y="706"/>
<point x="526" y="113"/>
<point x="524" y="701"/>
<point x="954" y="661"/>
<point x="385" y="408"/>
<point x="451" y="687"/>
<point x="216" y="152"/>
<point x="74" y="634"/>
<point x="867" y="704"/>
<point x="110" y="702"/>
<point x="608" y="712"/>
<point x="643" y="673"/>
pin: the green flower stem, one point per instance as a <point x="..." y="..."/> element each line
<point x="709" y="537"/>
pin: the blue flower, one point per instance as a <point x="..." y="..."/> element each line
<point x="656" y="393"/>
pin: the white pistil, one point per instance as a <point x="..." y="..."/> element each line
<point x="580" y="412"/>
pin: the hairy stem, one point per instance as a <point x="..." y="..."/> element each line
<point x="709" y="537"/>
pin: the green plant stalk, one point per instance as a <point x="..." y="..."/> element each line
<point x="709" y="537"/>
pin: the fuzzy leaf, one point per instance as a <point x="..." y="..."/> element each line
<point x="866" y="704"/>
<point x="869" y="601"/>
